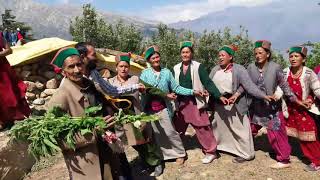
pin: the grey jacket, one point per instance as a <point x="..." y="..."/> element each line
<point x="240" y="77"/>
<point x="273" y="77"/>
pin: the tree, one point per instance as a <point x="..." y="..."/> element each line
<point x="91" y="28"/>
<point x="166" y="39"/>
<point x="9" y="22"/>
<point x="8" y="19"/>
<point x="210" y="43"/>
<point x="85" y="28"/>
<point x="314" y="59"/>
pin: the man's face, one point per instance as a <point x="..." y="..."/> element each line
<point x="91" y="54"/>
<point x="73" y="68"/>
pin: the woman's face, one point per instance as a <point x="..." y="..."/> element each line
<point x="296" y="59"/>
<point x="224" y="58"/>
<point x="123" y="69"/>
<point x="186" y="54"/>
<point x="261" y="55"/>
<point x="154" y="60"/>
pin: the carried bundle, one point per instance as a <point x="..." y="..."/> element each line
<point x="47" y="134"/>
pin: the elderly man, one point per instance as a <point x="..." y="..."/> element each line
<point x="73" y="96"/>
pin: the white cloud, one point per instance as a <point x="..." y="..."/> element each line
<point x="64" y="1"/>
<point x="193" y="10"/>
<point x="74" y="1"/>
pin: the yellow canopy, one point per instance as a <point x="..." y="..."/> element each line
<point x="36" y="50"/>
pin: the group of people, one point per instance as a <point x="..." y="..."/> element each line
<point x="243" y="100"/>
<point x="12" y="90"/>
<point x="13" y="37"/>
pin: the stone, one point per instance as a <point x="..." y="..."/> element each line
<point x="27" y="68"/>
<point x="35" y="66"/>
<point x="39" y="85"/>
<point x="30" y="96"/>
<point x="47" y="99"/>
<point x="25" y="74"/>
<point x="39" y="101"/>
<point x="37" y="78"/>
<point x="15" y="159"/>
<point x="31" y="86"/>
<point x="50" y="92"/>
<point x="52" y="84"/>
<point x="49" y="74"/>
<point x="43" y="95"/>
<point x="18" y="70"/>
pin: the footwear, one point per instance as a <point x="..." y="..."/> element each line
<point x="239" y="160"/>
<point x="280" y="165"/>
<point x="312" y="167"/>
<point x="180" y="161"/>
<point x="209" y="158"/>
<point x="158" y="170"/>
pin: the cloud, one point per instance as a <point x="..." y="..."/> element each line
<point x="74" y="1"/>
<point x="64" y="1"/>
<point x="196" y="9"/>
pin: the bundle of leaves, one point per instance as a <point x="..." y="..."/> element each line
<point x="153" y="90"/>
<point x="44" y="132"/>
<point x="122" y="118"/>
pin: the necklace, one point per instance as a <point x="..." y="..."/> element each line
<point x="296" y="76"/>
<point x="228" y="67"/>
<point x="121" y="81"/>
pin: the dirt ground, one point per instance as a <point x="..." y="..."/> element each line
<point x="193" y="169"/>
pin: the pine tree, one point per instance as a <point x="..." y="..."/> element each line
<point x="9" y="22"/>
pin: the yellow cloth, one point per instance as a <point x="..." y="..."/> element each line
<point x="40" y="49"/>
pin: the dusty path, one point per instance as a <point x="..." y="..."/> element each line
<point x="220" y="169"/>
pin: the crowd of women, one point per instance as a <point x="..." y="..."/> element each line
<point x="242" y="101"/>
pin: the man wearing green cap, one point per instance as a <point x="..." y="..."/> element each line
<point x="88" y="55"/>
<point x="73" y="96"/>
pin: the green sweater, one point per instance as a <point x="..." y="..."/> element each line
<point x="186" y="82"/>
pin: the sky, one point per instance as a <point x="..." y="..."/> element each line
<point x="166" y="11"/>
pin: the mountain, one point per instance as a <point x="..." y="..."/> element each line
<point x="54" y="20"/>
<point x="284" y="23"/>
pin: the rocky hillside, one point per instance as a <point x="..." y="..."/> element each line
<point x="283" y="22"/>
<point x="54" y="20"/>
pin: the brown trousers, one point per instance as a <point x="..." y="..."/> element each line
<point x="95" y="161"/>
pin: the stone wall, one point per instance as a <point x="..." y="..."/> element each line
<point x="42" y="82"/>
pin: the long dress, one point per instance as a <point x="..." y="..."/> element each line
<point x="13" y="105"/>
<point x="166" y="137"/>
<point x="231" y="125"/>
<point x="231" y="129"/>
<point x="302" y="125"/>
